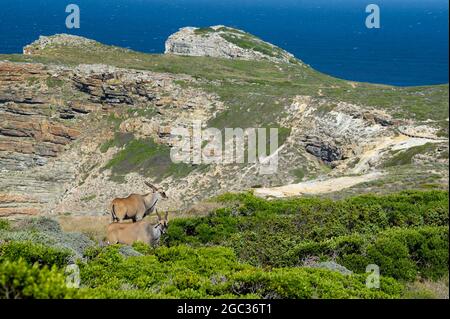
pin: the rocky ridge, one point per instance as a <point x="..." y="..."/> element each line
<point x="224" y="42"/>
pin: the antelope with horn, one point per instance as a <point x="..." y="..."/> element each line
<point x="143" y="231"/>
<point x="135" y="206"/>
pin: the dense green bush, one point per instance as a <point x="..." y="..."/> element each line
<point x="406" y="253"/>
<point x="306" y="283"/>
<point x="34" y="253"/>
<point x="312" y="218"/>
<point x="265" y="233"/>
<point x="212" y="272"/>
<point x="158" y="266"/>
<point x="4" y="224"/>
<point x="19" y="279"/>
<point x="183" y="272"/>
<point x="143" y="248"/>
<point x="404" y="208"/>
<point x="401" y="253"/>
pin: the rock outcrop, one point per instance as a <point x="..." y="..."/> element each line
<point x="57" y="40"/>
<point x="224" y="42"/>
<point x="29" y="132"/>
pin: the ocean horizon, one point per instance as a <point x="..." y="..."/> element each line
<point x="409" y="49"/>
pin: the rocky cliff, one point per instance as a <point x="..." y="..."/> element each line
<point x="82" y="123"/>
<point x="224" y="42"/>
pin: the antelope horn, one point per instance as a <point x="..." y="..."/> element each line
<point x="166" y="215"/>
<point x="151" y="186"/>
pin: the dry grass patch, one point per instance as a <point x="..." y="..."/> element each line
<point x="428" y="289"/>
<point x="92" y="226"/>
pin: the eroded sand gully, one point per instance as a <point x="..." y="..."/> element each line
<point x="373" y="154"/>
<point x="316" y="186"/>
<point x="375" y="151"/>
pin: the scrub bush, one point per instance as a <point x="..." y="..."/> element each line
<point x="19" y="279"/>
<point x="34" y="253"/>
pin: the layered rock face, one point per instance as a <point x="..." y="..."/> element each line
<point x="32" y="134"/>
<point x="29" y="133"/>
<point x="224" y="42"/>
<point x="44" y="110"/>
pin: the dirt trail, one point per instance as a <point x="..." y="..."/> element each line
<point x="316" y="186"/>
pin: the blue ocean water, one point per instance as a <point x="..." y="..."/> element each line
<point x="410" y="48"/>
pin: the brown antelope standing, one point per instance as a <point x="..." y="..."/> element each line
<point x="136" y="206"/>
<point x="143" y="231"/>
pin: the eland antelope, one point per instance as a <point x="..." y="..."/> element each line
<point x="136" y="206"/>
<point x="143" y="231"/>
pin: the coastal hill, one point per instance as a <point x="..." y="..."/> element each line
<point x="83" y="122"/>
<point x="224" y="42"/>
<point x="362" y="179"/>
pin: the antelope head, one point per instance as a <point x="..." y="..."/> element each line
<point x="157" y="190"/>
<point x="163" y="222"/>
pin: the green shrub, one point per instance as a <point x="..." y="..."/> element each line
<point x="4" y="224"/>
<point x="313" y="218"/>
<point x="34" y="253"/>
<point x="184" y="272"/>
<point x="210" y="272"/>
<point x="202" y="230"/>
<point x="401" y="253"/>
<point x="18" y="279"/>
<point x="143" y="248"/>
<point x="110" y="269"/>
<point x="265" y="233"/>
<point x="304" y="283"/>
<point x="407" y="253"/>
<point x="226" y="254"/>
<point x="105" y="293"/>
<point x="263" y="247"/>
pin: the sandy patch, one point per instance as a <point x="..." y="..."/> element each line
<point x="394" y="143"/>
<point x="316" y="186"/>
